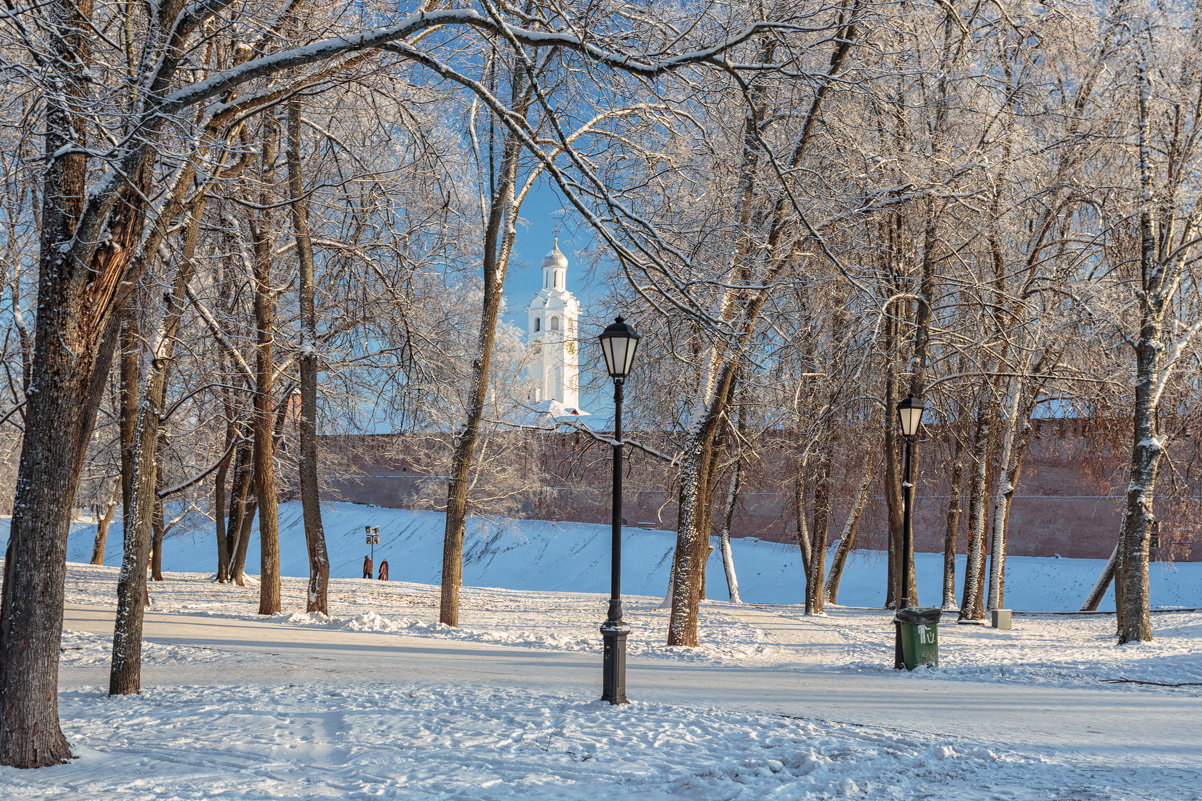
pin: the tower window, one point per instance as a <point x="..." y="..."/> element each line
<point x="554" y="323"/>
<point x="538" y="323"/>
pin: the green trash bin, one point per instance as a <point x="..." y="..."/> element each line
<point x="919" y="635"/>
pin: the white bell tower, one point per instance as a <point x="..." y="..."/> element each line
<point x="551" y="328"/>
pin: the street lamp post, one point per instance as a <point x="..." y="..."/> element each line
<point x="618" y="343"/>
<point x="373" y="539"/>
<point x="909" y="415"/>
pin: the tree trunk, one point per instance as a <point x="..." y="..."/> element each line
<point x="849" y="534"/>
<point x="315" y="539"/>
<point x="264" y="407"/>
<point x="68" y="329"/>
<point x="728" y="559"/>
<point x="803" y="531"/>
<point x="972" y="606"/>
<point x="219" y="512"/>
<point x="102" y="526"/>
<point x="696" y="501"/>
<point x="1103" y="582"/>
<point x="1004" y="492"/>
<point x="240" y="498"/>
<point x="144" y="526"/>
<point x="893" y="489"/>
<point x="158" y="531"/>
<point x="498" y="244"/>
<point x="1131" y="590"/>
<point x="245" y="526"/>
<point x="822" y="511"/>
<point x="951" y="532"/>
<point x="129" y="367"/>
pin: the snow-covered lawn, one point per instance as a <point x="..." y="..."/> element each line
<point x="1055" y="650"/>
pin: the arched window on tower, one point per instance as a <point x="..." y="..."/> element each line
<point x="554" y="323"/>
<point x="538" y="323"/>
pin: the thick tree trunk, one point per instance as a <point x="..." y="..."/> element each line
<point x="102" y="525"/>
<point x="315" y="539"/>
<point x="57" y="420"/>
<point x="1132" y="590"/>
<point x="35" y="563"/>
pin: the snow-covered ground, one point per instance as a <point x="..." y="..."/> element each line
<point x="381" y="701"/>
<point x="539" y="555"/>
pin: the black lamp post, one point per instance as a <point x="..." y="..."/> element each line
<point x="373" y="539"/>
<point x="618" y="343"/>
<point x="909" y="414"/>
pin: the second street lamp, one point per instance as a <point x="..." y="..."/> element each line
<point x="618" y="343"/>
<point x="909" y="415"/>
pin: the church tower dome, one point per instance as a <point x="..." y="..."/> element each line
<point x="552" y="318"/>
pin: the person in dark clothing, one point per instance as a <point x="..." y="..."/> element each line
<point x="367" y="567"/>
<point x="383" y="570"/>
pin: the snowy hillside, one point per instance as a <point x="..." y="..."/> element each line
<point x="538" y="555"/>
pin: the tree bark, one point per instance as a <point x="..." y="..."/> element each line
<point x="972" y="606"/>
<point x="129" y="368"/>
<point x="219" y="511"/>
<point x="240" y="497"/>
<point x="264" y="416"/>
<point x="144" y="526"/>
<point x="158" y="530"/>
<point x="803" y="530"/>
<point x="1009" y="464"/>
<point x="499" y="235"/>
<point x="317" y="598"/>
<point x="822" y="512"/>
<point x="951" y="531"/>
<point x="849" y="533"/>
<point x="67" y="332"/>
<point x="1103" y="583"/>
<point x="728" y="559"/>
<point x="102" y="526"/>
<point x="1131" y="590"/>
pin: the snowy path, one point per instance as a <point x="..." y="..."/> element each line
<point x="1103" y="726"/>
